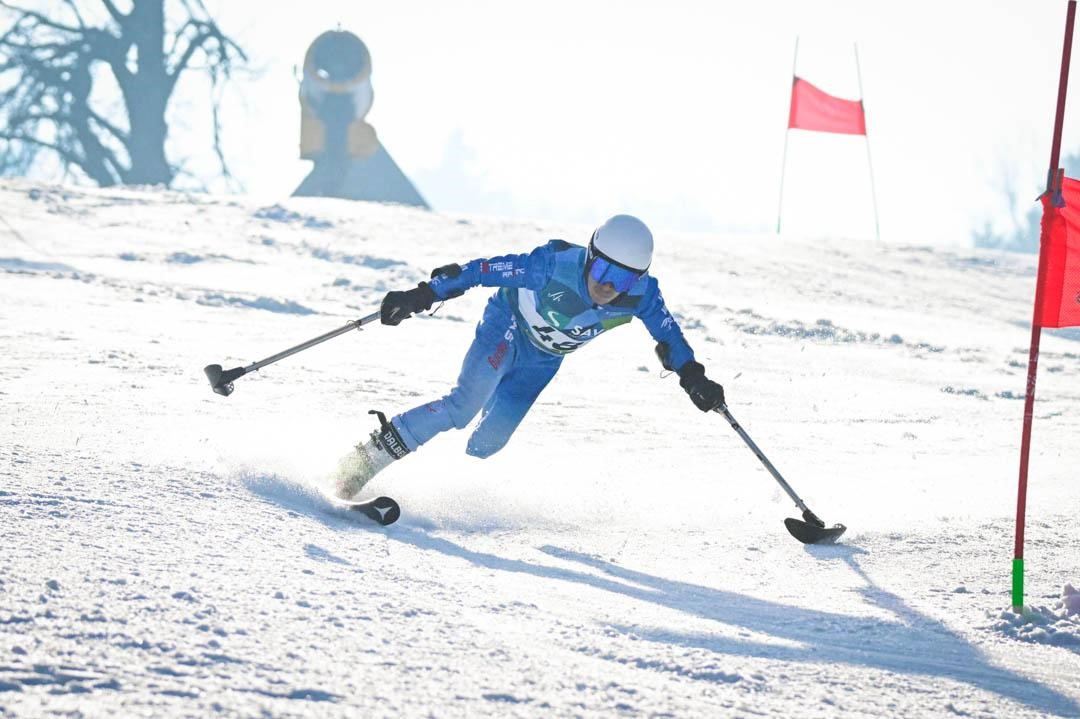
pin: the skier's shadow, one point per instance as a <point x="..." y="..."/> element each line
<point x="917" y="644"/>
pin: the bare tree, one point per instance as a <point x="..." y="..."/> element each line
<point x="1025" y="212"/>
<point x="51" y="61"/>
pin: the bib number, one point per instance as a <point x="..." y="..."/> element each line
<point x="544" y="332"/>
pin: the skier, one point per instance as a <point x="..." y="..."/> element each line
<point x="550" y="302"/>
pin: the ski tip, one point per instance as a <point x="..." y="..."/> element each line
<point x="808" y="533"/>
<point x="382" y="510"/>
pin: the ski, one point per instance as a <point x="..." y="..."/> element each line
<point x="813" y="530"/>
<point x="383" y="510"/>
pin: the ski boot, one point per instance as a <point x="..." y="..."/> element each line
<point x="367" y="459"/>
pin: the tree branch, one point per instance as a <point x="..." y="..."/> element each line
<point x="114" y="12"/>
<point x="96" y="156"/>
<point x="177" y="36"/>
<point x="75" y="11"/>
<point x="65" y="154"/>
<point x="199" y="183"/>
<point x="41" y="19"/>
<point x="115" y="131"/>
<point x="193" y="46"/>
<point x="53" y="50"/>
<point x="113" y="163"/>
<point x="215" y="108"/>
<point x="205" y="31"/>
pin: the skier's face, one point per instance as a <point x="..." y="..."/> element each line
<point x="601" y="294"/>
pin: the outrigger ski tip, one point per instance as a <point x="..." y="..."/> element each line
<point x="811" y="530"/>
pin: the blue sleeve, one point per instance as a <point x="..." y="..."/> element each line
<point x="662" y="326"/>
<point x="531" y="270"/>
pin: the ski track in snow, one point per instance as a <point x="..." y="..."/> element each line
<point x="168" y="552"/>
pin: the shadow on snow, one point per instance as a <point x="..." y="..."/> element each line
<point x="916" y="644"/>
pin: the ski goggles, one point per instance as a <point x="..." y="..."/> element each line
<point x="608" y="272"/>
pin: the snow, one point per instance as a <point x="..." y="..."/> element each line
<point x="1070" y="600"/>
<point x="1058" y="624"/>
<point x="168" y="551"/>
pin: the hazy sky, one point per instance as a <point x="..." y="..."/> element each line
<point x="674" y="111"/>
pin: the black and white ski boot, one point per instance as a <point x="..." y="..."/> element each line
<point x="367" y="459"/>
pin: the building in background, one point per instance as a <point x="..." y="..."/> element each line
<point x="335" y="97"/>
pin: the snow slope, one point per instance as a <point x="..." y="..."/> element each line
<point x="166" y="550"/>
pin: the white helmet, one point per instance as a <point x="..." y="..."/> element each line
<point x="625" y="240"/>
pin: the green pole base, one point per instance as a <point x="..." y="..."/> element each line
<point x="1018" y="585"/>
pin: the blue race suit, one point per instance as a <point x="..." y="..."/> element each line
<point x="541" y="313"/>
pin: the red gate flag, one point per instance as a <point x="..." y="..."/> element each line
<point x="814" y="109"/>
<point x="1061" y="230"/>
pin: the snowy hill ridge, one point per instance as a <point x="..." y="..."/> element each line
<point x="167" y="551"/>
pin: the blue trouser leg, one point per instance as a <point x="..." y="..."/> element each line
<point x="489" y="359"/>
<point x="511" y="400"/>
